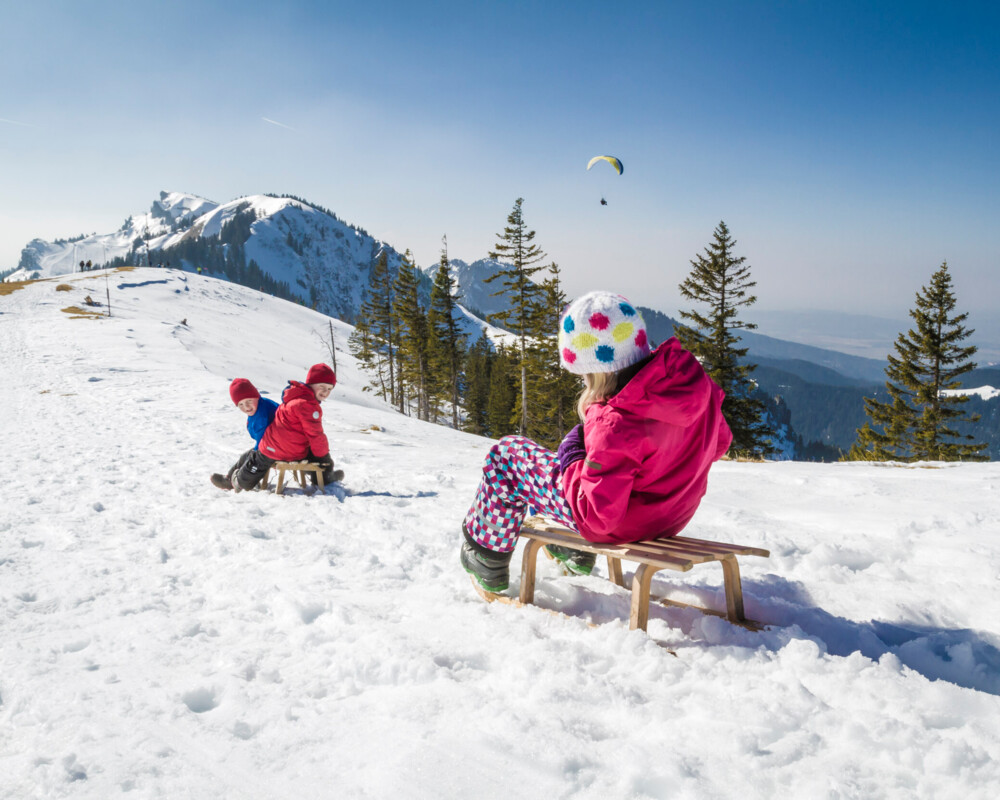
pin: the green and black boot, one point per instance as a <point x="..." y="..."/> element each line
<point x="576" y="561"/>
<point x="489" y="568"/>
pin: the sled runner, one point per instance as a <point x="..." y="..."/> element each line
<point x="679" y="553"/>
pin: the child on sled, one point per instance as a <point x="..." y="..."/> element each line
<point x="259" y="411"/>
<point x="635" y="468"/>
<point x="296" y="434"/>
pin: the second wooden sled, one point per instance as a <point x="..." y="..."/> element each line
<point x="299" y="469"/>
<point x="679" y="553"/>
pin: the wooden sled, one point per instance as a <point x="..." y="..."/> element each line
<point x="679" y="553"/>
<point x="299" y="469"/>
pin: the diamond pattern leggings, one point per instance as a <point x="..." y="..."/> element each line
<point x="520" y="478"/>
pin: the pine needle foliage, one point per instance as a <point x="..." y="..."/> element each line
<point x="930" y="358"/>
<point x="519" y="257"/>
<point x="447" y="342"/>
<point x="720" y="282"/>
<point x="503" y="393"/>
<point x="413" y="351"/>
<point x="374" y="339"/>
<point x="552" y="390"/>
<point x="478" y="365"/>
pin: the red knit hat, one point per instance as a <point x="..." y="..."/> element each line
<point x="241" y="389"/>
<point x="321" y="373"/>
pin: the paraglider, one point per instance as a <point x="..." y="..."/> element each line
<point x="615" y="164"/>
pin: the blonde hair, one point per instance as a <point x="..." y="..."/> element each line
<point x="597" y="387"/>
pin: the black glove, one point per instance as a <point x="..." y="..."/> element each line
<point x="324" y="461"/>
<point x="572" y="448"/>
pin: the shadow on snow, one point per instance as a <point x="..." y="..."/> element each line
<point x="964" y="657"/>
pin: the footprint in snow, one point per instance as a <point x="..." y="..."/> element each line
<point x="201" y="700"/>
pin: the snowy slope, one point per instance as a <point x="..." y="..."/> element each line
<point x="161" y="638"/>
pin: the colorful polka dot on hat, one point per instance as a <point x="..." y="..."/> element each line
<point x="601" y="332"/>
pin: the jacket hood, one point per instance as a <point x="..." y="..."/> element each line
<point x="298" y="391"/>
<point x="672" y="387"/>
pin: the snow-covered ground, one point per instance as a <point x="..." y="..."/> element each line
<point x="985" y="392"/>
<point x="160" y="638"/>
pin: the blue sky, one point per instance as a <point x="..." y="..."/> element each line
<point x="851" y="147"/>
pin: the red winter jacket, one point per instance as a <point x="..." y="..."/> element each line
<point x="649" y="449"/>
<point x="297" y="428"/>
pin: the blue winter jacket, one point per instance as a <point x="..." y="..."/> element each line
<point x="257" y="424"/>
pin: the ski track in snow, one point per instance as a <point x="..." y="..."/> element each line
<point x="161" y="638"/>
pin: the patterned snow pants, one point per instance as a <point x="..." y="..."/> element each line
<point x="520" y="478"/>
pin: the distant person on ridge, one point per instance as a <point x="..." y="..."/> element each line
<point x="297" y="431"/>
<point x="260" y="413"/>
<point x="635" y="469"/>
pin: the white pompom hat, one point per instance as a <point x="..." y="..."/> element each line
<point x="601" y="332"/>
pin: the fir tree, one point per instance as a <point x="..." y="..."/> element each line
<point x="552" y="390"/>
<point x="411" y="327"/>
<point x="915" y="425"/>
<point x="366" y="350"/>
<point x="721" y="281"/>
<point x="376" y="311"/>
<point x="478" y="365"/>
<point x="518" y="254"/>
<point x="502" y="394"/>
<point x="447" y="342"/>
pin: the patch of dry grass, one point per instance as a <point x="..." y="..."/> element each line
<point x="76" y="312"/>
<point x="13" y="286"/>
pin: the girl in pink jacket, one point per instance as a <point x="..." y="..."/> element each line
<point x="635" y="469"/>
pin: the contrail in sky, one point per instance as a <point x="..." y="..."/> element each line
<point x="22" y="124"/>
<point x="280" y="125"/>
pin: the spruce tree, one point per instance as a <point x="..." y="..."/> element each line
<point x="929" y="361"/>
<point x="552" y="390"/>
<point x="721" y="281"/>
<point x="447" y="342"/>
<point x="367" y="351"/>
<point x="500" y="419"/>
<point x="478" y="364"/>
<point x="377" y="312"/>
<point x="518" y="255"/>
<point x="411" y="328"/>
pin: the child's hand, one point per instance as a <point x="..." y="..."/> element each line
<point x="572" y="448"/>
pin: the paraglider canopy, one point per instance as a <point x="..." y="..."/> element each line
<point x="614" y="162"/>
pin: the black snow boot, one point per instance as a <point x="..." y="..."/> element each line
<point x="221" y="482"/>
<point x="576" y="561"/>
<point x="489" y="568"/>
<point x="330" y="475"/>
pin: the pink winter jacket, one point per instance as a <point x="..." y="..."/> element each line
<point x="649" y="449"/>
